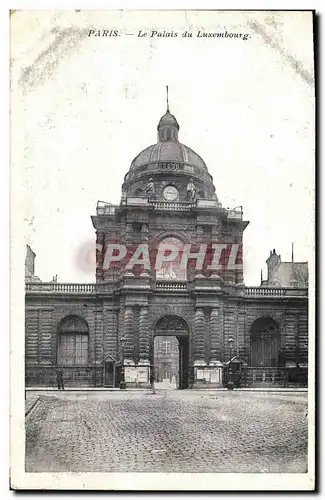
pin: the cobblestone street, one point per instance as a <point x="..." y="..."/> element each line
<point x="170" y="431"/>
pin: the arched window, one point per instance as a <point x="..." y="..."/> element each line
<point x="73" y="342"/>
<point x="171" y="270"/>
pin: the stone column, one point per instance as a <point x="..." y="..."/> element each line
<point x="128" y="333"/>
<point x="199" y="336"/>
<point x="215" y="347"/>
<point x="98" y="322"/>
<point x="144" y="335"/>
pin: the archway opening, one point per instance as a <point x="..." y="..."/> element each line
<point x="171" y="353"/>
<point x="166" y="361"/>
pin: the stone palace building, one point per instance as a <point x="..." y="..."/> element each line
<point x="92" y="330"/>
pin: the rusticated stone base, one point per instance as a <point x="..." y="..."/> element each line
<point x="45" y="376"/>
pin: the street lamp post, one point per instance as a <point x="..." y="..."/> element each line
<point x="122" y="380"/>
<point x="230" y="381"/>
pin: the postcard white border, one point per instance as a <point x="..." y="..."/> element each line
<point x="132" y="481"/>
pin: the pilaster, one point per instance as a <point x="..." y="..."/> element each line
<point x="199" y="350"/>
<point x="215" y="336"/>
<point x="45" y="337"/>
<point x="144" y="334"/>
<point x="128" y="333"/>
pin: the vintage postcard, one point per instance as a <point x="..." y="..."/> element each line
<point x="162" y="250"/>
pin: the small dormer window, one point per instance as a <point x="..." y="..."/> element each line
<point x="294" y="284"/>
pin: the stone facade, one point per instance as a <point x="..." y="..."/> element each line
<point x="168" y="197"/>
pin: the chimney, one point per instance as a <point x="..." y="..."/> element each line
<point x="30" y="261"/>
<point x="272" y="262"/>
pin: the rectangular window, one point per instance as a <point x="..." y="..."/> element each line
<point x="73" y="350"/>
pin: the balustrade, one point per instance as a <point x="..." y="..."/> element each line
<point x="251" y="291"/>
<point x="275" y="292"/>
<point x="60" y="287"/>
<point x="171" y="286"/>
<point x="166" y="205"/>
<point x="104" y="208"/>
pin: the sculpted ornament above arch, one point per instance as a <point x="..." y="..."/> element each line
<point x="73" y="324"/>
<point x="277" y="316"/>
<point x="171" y="322"/>
<point x="171" y="311"/>
<point x="62" y="312"/>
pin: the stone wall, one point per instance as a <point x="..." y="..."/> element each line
<point x="43" y="316"/>
<point x="211" y="323"/>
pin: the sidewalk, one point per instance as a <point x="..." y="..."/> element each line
<point x="115" y="389"/>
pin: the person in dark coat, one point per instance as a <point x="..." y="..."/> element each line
<point x="59" y="378"/>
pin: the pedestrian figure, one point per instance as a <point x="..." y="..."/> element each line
<point x="59" y="378"/>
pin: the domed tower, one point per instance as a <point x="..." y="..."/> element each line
<point x="171" y="165"/>
<point x="169" y="202"/>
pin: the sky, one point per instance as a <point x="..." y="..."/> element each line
<point x="83" y="107"/>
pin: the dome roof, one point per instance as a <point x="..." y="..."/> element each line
<point x="164" y="151"/>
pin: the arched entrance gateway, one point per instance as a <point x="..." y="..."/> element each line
<point x="163" y="359"/>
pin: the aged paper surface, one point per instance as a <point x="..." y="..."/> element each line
<point x="135" y="368"/>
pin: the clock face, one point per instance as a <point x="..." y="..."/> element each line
<point x="170" y="193"/>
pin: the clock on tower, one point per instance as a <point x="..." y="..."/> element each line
<point x="170" y="193"/>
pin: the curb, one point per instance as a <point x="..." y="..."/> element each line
<point x="220" y="389"/>
<point x="82" y="389"/>
<point x="32" y="406"/>
<point x="252" y="389"/>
